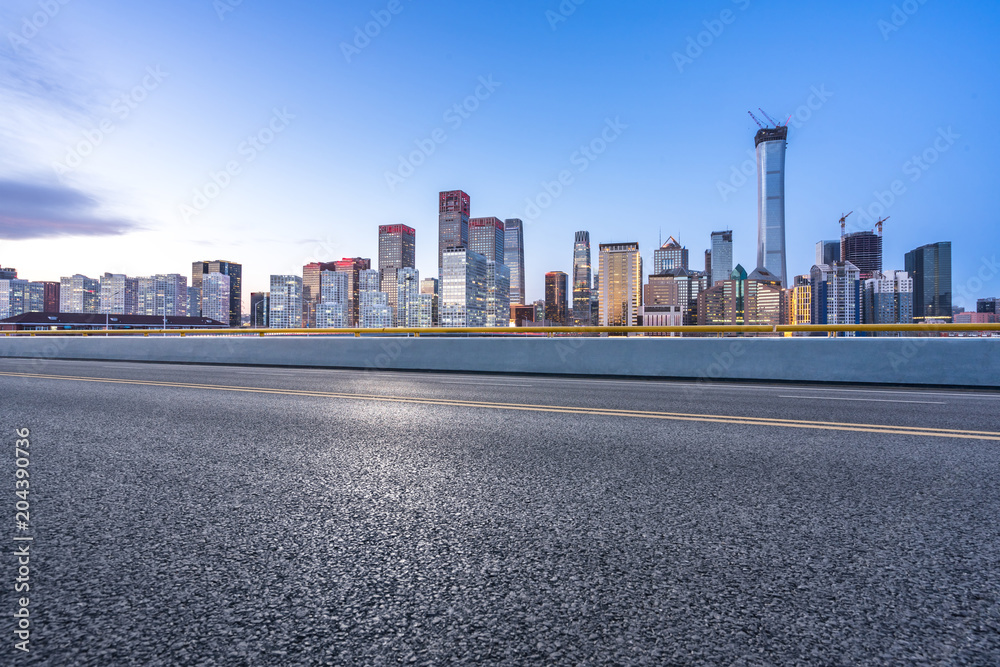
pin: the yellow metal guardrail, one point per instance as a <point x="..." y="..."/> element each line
<point x="508" y="331"/>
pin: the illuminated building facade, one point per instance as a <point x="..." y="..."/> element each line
<point x="621" y="284"/>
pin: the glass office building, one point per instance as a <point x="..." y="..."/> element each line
<point x="513" y="257"/>
<point x="581" y="279"/>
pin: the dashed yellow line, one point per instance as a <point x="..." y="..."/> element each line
<point x="563" y="409"/>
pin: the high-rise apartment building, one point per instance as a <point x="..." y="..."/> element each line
<point x="722" y="257"/>
<point x="260" y="306"/>
<point x="285" y="302"/>
<point x="311" y="290"/>
<point x="669" y="256"/>
<point x="863" y="250"/>
<point x="555" y="298"/>
<point x="14" y="297"/>
<point x="582" y="277"/>
<point x="453" y="223"/>
<point x="462" y="298"/>
<point x="513" y="257"/>
<point x="487" y="237"/>
<point x="930" y="268"/>
<point x="373" y="304"/>
<point x="43" y="297"/>
<point x="79" y="294"/>
<point x="119" y="294"/>
<point x="771" y="143"/>
<point x="396" y="250"/>
<point x="162" y="295"/>
<point x="497" y="294"/>
<point x="887" y="298"/>
<point x="621" y="284"/>
<point x="235" y="273"/>
<point x="215" y="297"/>
<point x="407" y="310"/>
<point x="331" y="310"/>
<point x="353" y="266"/>
<point x="827" y="252"/>
<point x="836" y="293"/>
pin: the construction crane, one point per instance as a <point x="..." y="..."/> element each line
<point x="878" y="225"/>
<point x="768" y="117"/>
<point x="843" y="224"/>
<point x="756" y="120"/>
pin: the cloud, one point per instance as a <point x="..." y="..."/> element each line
<point x="33" y="211"/>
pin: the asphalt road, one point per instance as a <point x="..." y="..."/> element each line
<point x="192" y="515"/>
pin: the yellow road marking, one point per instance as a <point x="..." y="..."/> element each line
<point x="564" y="409"/>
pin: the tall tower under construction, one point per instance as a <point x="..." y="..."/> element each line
<point x="770" y="143"/>
<point x="863" y="250"/>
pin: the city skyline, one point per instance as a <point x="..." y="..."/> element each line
<point x="920" y="153"/>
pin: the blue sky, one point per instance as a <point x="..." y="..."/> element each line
<point x="141" y="137"/>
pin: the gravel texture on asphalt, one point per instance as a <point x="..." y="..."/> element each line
<point x="178" y="526"/>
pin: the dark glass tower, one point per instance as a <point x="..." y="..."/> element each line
<point x="930" y="268"/>
<point x="581" y="279"/>
<point x="513" y="257"/>
<point x="555" y="297"/>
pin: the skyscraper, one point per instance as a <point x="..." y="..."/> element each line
<point x="827" y="252"/>
<point x="311" y="290"/>
<point x="930" y="268"/>
<point x="260" y="306"/>
<point x="407" y="310"/>
<point x="670" y="255"/>
<point x="429" y="302"/>
<point x="14" y="297"/>
<point x="513" y="257"/>
<point x="863" y="250"/>
<point x="215" y="297"/>
<point x="497" y="294"/>
<point x="373" y="304"/>
<point x="162" y="295"/>
<point x="987" y="305"/>
<point x="770" y="143"/>
<point x="119" y="294"/>
<point x="7" y="273"/>
<point x="462" y="298"/>
<point x="836" y="293"/>
<point x="800" y="301"/>
<point x="582" y="277"/>
<point x="486" y="236"/>
<point x="43" y="297"/>
<point x="352" y="266"/>
<point x="887" y="298"/>
<point x="621" y="284"/>
<point x="453" y="223"/>
<point x="79" y="294"/>
<point x="555" y="297"/>
<point x="677" y="287"/>
<point x="722" y="257"/>
<point x="332" y="309"/>
<point x="396" y="250"/>
<point x="235" y="273"/>
<point x="285" y="302"/>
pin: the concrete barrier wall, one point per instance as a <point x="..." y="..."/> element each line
<point x="966" y="362"/>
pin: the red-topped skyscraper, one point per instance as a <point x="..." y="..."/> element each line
<point x="453" y="222"/>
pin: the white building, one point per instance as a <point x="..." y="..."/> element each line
<point x="332" y="309"/>
<point x="374" y="311"/>
<point x="407" y="298"/>
<point x="215" y="288"/>
<point x="13" y="297"/>
<point x="79" y="294"/>
<point x="162" y="295"/>
<point x="462" y="298"/>
<point x="888" y="298"/>
<point x="285" y="303"/>
<point x="836" y="293"/>
<point x="118" y="294"/>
